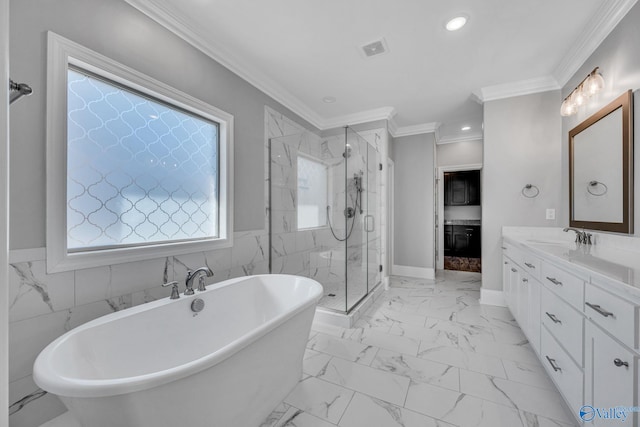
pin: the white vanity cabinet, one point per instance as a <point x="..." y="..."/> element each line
<point x="522" y="292"/>
<point x="610" y="374"/>
<point x="583" y="326"/>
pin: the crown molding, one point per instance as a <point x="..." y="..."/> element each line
<point x="399" y="132"/>
<point x="477" y="136"/>
<point x="519" y="88"/>
<point x="603" y="22"/>
<point x="225" y="58"/>
<point x="383" y="113"/>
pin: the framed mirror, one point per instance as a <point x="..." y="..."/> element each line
<point x="601" y="169"/>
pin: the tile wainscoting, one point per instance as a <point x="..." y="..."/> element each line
<point x="44" y="306"/>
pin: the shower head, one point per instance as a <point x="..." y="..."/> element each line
<point x="347" y="152"/>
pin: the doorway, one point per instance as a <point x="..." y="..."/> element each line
<point x="459" y="224"/>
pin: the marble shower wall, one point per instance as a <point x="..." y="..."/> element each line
<point x="317" y="253"/>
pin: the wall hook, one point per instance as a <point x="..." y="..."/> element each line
<point x="18" y="90"/>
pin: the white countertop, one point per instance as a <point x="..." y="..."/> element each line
<point x="610" y="261"/>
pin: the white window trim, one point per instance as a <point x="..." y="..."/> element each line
<point x="61" y="53"/>
<point x="329" y="195"/>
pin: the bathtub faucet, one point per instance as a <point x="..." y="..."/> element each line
<point x="191" y="275"/>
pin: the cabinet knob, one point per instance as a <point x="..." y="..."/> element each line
<point x="514" y="270"/>
<point x="525" y="280"/>
<point x="620" y="363"/>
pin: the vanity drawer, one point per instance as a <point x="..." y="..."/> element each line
<point x="512" y="252"/>
<point x="564" y="372"/>
<point x="564" y="323"/>
<point x="531" y="265"/>
<point x="566" y="285"/>
<point x="613" y="314"/>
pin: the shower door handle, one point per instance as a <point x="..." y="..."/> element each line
<point x="369" y="223"/>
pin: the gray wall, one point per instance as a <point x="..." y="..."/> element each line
<point x="619" y="64"/>
<point x="521" y="146"/>
<point x="413" y="195"/>
<point x="117" y="30"/>
<point x="459" y="153"/>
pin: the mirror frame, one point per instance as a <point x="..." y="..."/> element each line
<point x="624" y="101"/>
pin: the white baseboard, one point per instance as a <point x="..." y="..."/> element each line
<point x="419" y="272"/>
<point x="489" y="297"/>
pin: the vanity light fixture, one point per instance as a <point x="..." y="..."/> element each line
<point x="588" y="87"/>
<point x="454" y="24"/>
<point x="465" y="128"/>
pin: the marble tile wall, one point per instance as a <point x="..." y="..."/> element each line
<point x="45" y="306"/>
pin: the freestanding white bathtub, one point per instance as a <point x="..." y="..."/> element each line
<point x="162" y="365"/>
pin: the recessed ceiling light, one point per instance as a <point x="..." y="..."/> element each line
<point x="328" y="100"/>
<point x="456" y="23"/>
<point x="466" y="128"/>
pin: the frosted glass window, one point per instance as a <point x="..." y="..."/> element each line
<point x="139" y="171"/>
<point x="312" y="193"/>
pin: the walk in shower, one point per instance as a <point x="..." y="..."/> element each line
<point x="324" y="214"/>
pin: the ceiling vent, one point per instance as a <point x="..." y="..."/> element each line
<point x="377" y="47"/>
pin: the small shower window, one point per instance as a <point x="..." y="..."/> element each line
<point x="313" y="189"/>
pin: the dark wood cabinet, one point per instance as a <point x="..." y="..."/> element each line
<point x="462" y="188"/>
<point x="462" y="241"/>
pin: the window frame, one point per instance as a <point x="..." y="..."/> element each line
<point x="329" y="186"/>
<point x="63" y="53"/>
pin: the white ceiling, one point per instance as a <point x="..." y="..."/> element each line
<point x="302" y="51"/>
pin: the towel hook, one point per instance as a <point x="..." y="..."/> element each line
<point x="18" y="90"/>
<point x="526" y="189"/>
<point x="593" y="184"/>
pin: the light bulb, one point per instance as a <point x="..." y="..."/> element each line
<point x="578" y="98"/>
<point x="567" y="108"/>
<point x="594" y="84"/>
<point x="456" y="23"/>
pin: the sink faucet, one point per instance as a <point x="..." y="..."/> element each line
<point x="581" y="236"/>
<point x="191" y="275"/>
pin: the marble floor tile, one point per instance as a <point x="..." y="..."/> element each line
<point x="458" y="408"/>
<point x="298" y="418"/>
<point x="343" y="348"/>
<point x="543" y="402"/>
<point x="386" y="386"/>
<point x="314" y="362"/>
<point x="463" y="359"/>
<point x="275" y="416"/>
<point x="366" y="411"/>
<point x="528" y="373"/>
<point x="387" y="341"/>
<point x="516" y="352"/>
<point x="418" y="370"/>
<point x="320" y="398"/>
